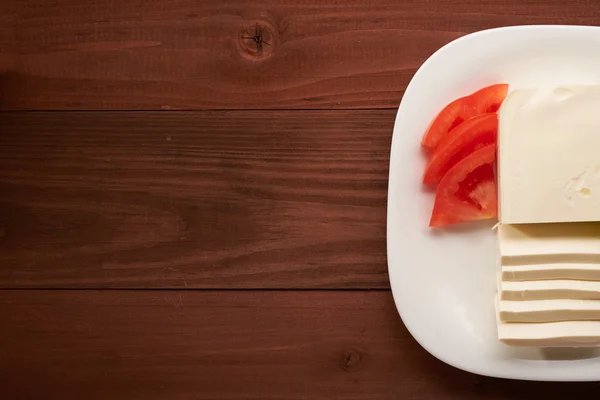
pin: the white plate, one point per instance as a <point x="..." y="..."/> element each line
<point x="444" y="281"/>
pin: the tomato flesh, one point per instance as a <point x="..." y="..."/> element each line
<point x="483" y="101"/>
<point x="468" y="191"/>
<point x="469" y="136"/>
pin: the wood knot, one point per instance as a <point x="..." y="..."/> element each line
<point x="257" y="40"/>
<point x="351" y="359"/>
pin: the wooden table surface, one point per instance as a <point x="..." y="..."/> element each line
<point x="193" y="197"/>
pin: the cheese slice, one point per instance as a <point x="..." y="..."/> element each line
<point x="585" y="272"/>
<point x="549" y="310"/>
<point x="550" y="251"/>
<point x="548" y="160"/>
<point x="551" y="334"/>
<point x="549" y="290"/>
<point x="571" y="243"/>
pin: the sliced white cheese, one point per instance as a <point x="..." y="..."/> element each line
<point x="548" y="290"/>
<point x="550" y="251"/>
<point x="550" y="334"/>
<point x="586" y="272"/>
<point x="549" y="310"/>
<point x="575" y="243"/>
<point x="548" y="159"/>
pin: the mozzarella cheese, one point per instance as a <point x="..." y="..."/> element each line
<point x="548" y="155"/>
<point x="549" y="290"/>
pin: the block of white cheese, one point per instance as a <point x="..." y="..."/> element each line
<point x="549" y="290"/>
<point x="550" y="251"/>
<point x="549" y="155"/>
<point x="549" y="310"/>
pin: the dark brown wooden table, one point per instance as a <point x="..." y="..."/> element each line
<point x="193" y="197"/>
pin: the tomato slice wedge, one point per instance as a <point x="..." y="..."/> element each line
<point x="468" y="191"/>
<point x="469" y="136"/>
<point x="483" y="101"/>
<point x="490" y="98"/>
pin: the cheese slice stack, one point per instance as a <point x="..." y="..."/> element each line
<point x="549" y="200"/>
<point x="546" y="303"/>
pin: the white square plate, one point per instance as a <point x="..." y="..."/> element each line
<point x="443" y="281"/>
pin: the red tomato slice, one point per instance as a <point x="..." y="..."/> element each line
<point x="468" y="191"/>
<point x="469" y="136"/>
<point x="483" y="101"/>
<point x="489" y="99"/>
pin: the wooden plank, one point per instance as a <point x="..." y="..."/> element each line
<point x="265" y="199"/>
<point x="228" y="345"/>
<point x="183" y="54"/>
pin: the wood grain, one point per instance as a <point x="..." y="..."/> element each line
<point x="228" y="345"/>
<point x="183" y="54"/>
<point x="200" y="200"/>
